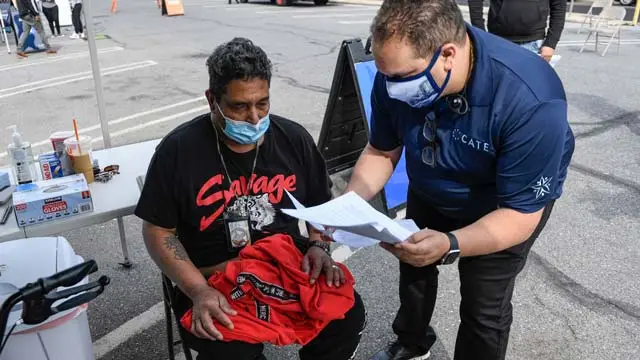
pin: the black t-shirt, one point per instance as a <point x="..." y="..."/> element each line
<point x="186" y="187"/>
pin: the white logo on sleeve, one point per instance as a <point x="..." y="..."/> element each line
<point x="542" y="187"/>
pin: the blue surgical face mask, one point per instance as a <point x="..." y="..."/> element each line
<point x="244" y="132"/>
<point x="419" y="90"/>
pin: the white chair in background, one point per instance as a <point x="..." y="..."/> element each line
<point x="597" y="4"/>
<point x="607" y="24"/>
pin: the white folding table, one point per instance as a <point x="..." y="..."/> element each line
<point x="10" y="230"/>
<point x="111" y="200"/>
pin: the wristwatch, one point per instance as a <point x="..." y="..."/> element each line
<point x="454" y="251"/>
<point x="321" y="244"/>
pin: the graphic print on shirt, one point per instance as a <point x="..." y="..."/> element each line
<point x="266" y="192"/>
<point x="542" y="186"/>
<point x="260" y="211"/>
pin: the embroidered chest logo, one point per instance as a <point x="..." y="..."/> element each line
<point x="542" y="186"/>
<point x="467" y="140"/>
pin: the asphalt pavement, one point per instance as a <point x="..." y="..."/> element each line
<point x="577" y="298"/>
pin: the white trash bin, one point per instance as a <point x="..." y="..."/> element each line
<point x="64" y="336"/>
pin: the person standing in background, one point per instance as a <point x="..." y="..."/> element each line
<point x="523" y="22"/>
<point x="76" y="19"/>
<point x="30" y="16"/>
<point x="50" y="10"/>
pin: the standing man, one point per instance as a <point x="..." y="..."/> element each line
<point x="30" y="16"/>
<point x="524" y="22"/>
<point x="487" y="143"/>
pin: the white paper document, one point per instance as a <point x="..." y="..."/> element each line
<point x="554" y="60"/>
<point x="351" y="214"/>
<point x="298" y="205"/>
<point x="358" y="241"/>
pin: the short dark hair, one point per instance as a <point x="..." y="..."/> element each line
<point x="425" y="24"/>
<point x="238" y="59"/>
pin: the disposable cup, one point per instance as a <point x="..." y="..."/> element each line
<point x="57" y="140"/>
<point x="80" y="154"/>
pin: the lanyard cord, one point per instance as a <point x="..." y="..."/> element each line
<point x="224" y="165"/>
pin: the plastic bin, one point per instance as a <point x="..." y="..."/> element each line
<point x="64" y="336"/>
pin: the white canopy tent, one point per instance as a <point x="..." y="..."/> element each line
<point x="97" y="77"/>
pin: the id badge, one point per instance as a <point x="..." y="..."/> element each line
<point x="238" y="231"/>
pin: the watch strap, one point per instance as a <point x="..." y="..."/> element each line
<point x="453" y="242"/>
<point x="454" y="250"/>
<point x="321" y="244"/>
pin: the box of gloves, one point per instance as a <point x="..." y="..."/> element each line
<point x="52" y="199"/>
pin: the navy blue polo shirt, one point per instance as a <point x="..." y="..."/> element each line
<point x="511" y="149"/>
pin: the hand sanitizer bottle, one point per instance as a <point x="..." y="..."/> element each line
<point x="21" y="157"/>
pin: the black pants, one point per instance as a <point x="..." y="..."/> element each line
<point x="75" y="18"/>
<point x="486" y="287"/>
<point x="52" y="18"/>
<point x="337" y="341"/>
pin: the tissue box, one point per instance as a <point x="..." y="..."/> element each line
<point x="4" y="180"/>
<point x="53" y="199"/>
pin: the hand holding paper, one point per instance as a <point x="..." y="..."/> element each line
<point x="423" y="248"/>
<point x="356" y="222"/>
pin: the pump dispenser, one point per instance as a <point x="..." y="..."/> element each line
<point x="21" y="157"/>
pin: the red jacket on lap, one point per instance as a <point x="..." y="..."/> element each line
<point x="273" y="297"/>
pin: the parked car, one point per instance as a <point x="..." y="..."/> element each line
<point x="627" y="2"/>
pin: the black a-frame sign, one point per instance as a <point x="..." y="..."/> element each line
<point x="345" y="129"/>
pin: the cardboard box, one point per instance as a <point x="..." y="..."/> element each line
<point x="50" y="166"/>
<point x="50" y="200"/>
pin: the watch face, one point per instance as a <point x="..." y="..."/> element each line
<point x="451" y="257"/>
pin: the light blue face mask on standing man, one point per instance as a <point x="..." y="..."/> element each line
<point x="244" y="132"/>
<point x="419" y="90"/>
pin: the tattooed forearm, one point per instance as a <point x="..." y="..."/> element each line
<point x="173" y="244"/>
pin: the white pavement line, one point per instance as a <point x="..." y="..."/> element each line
<point x="47" y="83"/>
<point x="121" y="120"/>
<point x="353" y="22"/>
<point x="316" y="11"/>
<point x="207" y="6"/>
<point x="320" y="16"/>
<point x="128" y="330"/>
<point x="602" y="42"/>
<point x="244" y="8"/>
<point x="151" y="123"/>
<point x="342" y="253"/>
<point x="69" y="76"/>
<point x="59" y="58"/>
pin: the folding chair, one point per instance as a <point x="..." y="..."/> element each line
<point x="590" y="16"/>
<point x="169" y="294"/>
<point x="607" y="24"/>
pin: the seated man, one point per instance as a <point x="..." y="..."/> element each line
<point x="224" y="174"/>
